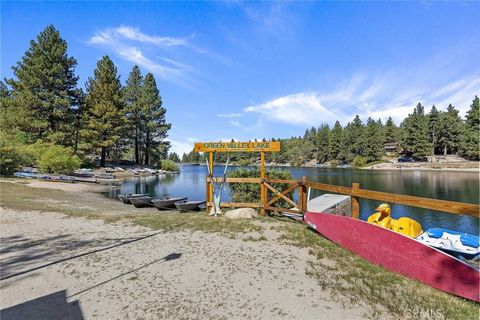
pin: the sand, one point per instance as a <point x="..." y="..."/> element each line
<point x="175" y="275"/>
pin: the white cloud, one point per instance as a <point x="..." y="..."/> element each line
<point x="229" y="115"/>
<point x="180" y="147"/>
<point x="123" y="41"/>
<point x="378" y="97"/>
<point x="135" y="34"/>
<point x="303" y="108"/>
<point x="236" y="124"/>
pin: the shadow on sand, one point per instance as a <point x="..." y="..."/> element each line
<point x="23" y="255"/>
<point x="53" y="306"/>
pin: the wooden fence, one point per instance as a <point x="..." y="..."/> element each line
<point x="300" y="207"/>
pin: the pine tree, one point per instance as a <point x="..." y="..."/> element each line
<point x="335" y="141"/>
<point x="174" y="157"/>
<point x="134" y="108"/>
<point x="449" y="130"/>
<point x="10" y="118"/>
<point x="45" y="89"/>
<point x="322" y="142"/>
<point x="416" y="139"/>
<point x="354" y="138"/>
<point x="470" y="145"/>
<point x="391" y="131"/>
<point x="156" y="126"/>
<point x="373" y="141"/>
<point x="104" y="109"/>
<point x="433" y="127"/>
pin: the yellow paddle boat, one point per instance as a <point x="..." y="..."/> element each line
<point x="405" y="226"/>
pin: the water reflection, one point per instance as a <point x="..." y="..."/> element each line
<point x="454" y="186"/>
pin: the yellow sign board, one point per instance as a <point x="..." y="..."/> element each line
<point x="268" y="146"/>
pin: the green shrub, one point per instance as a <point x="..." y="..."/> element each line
<point x="10" y="160"/>
<point x="169" y="165"/>
<point x="359" y="161"/>
<point x="57" y="159"/>
<point x="244" y="162"/>
<point x="250" y="192"/>
<point x="31" y="153"/>
<point x="334" y="163"/>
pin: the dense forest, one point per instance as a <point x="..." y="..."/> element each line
<point x="45" y="114"/>
<point x="420" y="135"/>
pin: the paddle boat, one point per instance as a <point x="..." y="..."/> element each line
<point x="460" y="244"/>
<point x="403" y="225"/>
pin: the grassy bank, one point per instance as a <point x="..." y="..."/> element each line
<point x="349" y="278"/>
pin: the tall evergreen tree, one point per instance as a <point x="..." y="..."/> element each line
<point x="156" y="126"/>
<point x="449" y="130"/>
<point x="104" y="109"/>
<point x="335" y="141"/>
<point x="470" y="146"/>
<point x="322" y="142"/>
<point x="416" y="139"/>
<point x="45" y="90"/>
<point x="174" y="157"/>
<point x="134" y="109"/>
<point x="433" y="127"/>
<point x="355" y="137"/>
<point x="373" y="141"/>
<point x="391" y="131"/>
<point x="10" y="118"/>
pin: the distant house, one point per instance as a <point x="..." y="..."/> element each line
<point x="391" y="147"/>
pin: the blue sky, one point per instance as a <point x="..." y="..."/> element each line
<point x="247" y="70"/>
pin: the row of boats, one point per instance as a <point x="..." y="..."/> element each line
<point x="47" y="177"/>
<point x="142" y="200"/>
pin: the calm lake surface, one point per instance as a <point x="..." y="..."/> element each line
<point x="454" y="186"/>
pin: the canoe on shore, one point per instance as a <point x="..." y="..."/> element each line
<point x="56" y="178"/>
<point x="185" y="205"/>
<point x="166" y="203"/>
<point x="142" y="202"/>
<point x="399" y="253"/>
<point x="125" y="198"/>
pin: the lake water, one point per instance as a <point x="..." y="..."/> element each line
<point x="454" y="186"/>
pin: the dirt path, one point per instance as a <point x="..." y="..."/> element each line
<point x="176" y="275"/>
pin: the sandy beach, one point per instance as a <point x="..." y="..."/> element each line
<point x="169" y="275"/>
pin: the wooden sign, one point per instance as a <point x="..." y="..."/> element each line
<point x="267" y="146"/>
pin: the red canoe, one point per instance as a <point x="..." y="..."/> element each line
<point x="399" y="253"/>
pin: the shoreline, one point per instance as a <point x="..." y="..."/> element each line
<point x="385" y="166"/>
<point x="446" y="169"/>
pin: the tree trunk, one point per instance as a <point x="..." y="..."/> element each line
<point x="445" y="150"/>
<point x="137" y="157"/>
<point x="147" y="148"/>
<point x="102" y="158"/>
<point x="77" y="136"/>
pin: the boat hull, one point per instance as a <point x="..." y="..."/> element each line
<point x="125" y="198"/>
<point x="141" y="202"/>
<point x="399" y="253"/>
<point x="189" y="205"/>
<point x="167" y="203"/>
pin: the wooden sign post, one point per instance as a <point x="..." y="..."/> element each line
<point x="262" y="147"/>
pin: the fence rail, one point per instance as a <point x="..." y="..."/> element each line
<point x="355" y="192"/>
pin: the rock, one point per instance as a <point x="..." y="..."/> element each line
<point x="242" y="213"/>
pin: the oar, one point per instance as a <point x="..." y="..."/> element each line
<point x="210" y="174"/>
